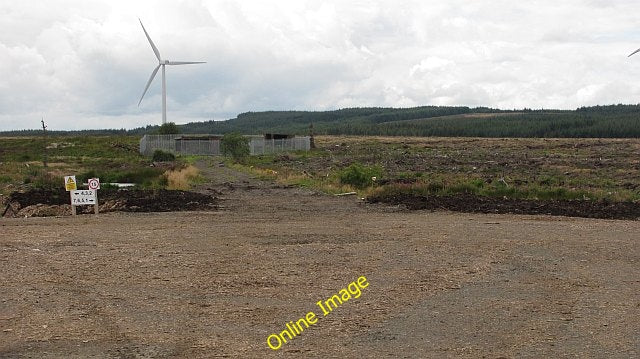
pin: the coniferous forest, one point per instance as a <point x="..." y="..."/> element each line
<point x="613" y="121"/>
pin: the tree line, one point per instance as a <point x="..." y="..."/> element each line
<point x="621" y="121"/>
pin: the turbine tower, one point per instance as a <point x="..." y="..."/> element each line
<point x="161" y="63"/>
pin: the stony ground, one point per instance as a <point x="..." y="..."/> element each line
<point x="218" y="283"/>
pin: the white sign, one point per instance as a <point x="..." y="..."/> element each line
<point x="83" y="197"/>
<point x="94" y="183"/>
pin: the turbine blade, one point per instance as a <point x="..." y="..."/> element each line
<point x="635" y="52"/>
<point x="184" y="62"/>
<point x="153" y="74"/>
<point x="153" y="46"/>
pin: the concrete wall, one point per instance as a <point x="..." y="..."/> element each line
<point x="205" y="146"/>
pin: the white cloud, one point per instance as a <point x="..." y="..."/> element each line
<point x="84" y="64"/>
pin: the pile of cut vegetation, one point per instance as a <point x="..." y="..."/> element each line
<point x="55" y="202"/>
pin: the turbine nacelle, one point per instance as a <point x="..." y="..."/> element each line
<point x="162" y="63"/>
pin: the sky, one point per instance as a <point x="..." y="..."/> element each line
<point x="83" y="64"/>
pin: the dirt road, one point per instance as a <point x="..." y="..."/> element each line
<point x="219" y="283"/>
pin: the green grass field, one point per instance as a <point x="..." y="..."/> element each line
<point x="111" y="158"/>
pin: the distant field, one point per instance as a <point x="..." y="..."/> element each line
<point x="454" y="117"/>
<point x="582" y="169"/>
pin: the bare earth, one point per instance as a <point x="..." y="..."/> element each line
<point x="217" y="284"/>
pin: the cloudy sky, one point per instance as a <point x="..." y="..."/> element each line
<point x="84" y="64"/>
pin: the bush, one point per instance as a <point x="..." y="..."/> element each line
<point x="169" y="128"/>
<point x="359" y="176"/>
<point x="464" y="187"/>
<point x="84" y="177"/>
<point x="162" y="156"/>
<point x="235" y="145"/>
<point x="435" y="187"/>
<point x="142" y="176"/>
<point x="47" y="181"/>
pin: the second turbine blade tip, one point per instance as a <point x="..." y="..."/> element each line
<point x="153" y="75"/>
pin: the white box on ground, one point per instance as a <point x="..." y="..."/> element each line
<point x="83" y="197"/>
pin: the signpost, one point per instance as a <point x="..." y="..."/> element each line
<point x="82" y="197"/>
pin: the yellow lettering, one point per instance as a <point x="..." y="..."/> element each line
<point x="292" y="331"/>
<point x="353" y="289"/>
<point x="287" y="333"/>
<point x="277" y="338"/>
<point x="326" y="302"/>
<point x="321" y="307"/>
<point x="345" y="295"/>
<point x="361" y="282"/>
<point x="303" y="321"/>
<point x="295" y="328"/>
<point x="311" y="318"/>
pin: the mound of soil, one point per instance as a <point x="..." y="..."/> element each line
<point x="478" y="204"/>
<point x="47" y="202"/>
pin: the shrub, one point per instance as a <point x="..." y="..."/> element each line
<point x="162" y="156"/>
<point x="359" y="176"/>
<point x="46" y="181"/>
<point x="235" y="145"/>
<point x="162" y="181"/>
<point x="435" y="187"/>
<point x="477" y="183"/>
<point x="142" y="176"/>
<point x="169" y="128"/>
<point x="84" y="177"/>
<point x="465" y="187"/>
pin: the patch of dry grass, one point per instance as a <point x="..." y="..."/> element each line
<point x="182" y="178"/>
<point x="287" y="176"/>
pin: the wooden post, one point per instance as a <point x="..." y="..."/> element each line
<point x="44" y="132"/>
<point x="312" y="142"/>
<point x="73" y="208"/>
<point x="95" y="206"/>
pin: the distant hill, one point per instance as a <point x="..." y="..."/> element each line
<point x="598" y="121"/>
<point x="622" y="121"/>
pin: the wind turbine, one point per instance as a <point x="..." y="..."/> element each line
<point x="633" y="53"/>
<point x="161" y="63"/>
